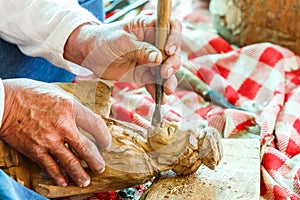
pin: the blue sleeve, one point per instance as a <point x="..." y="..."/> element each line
<point x="12" y="190"/>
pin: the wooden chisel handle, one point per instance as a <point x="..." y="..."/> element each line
<point x="164" y="8"/>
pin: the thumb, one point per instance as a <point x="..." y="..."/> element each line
<point x="145" y="53"/>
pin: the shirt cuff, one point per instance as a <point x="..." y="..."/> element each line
<point x="53" y="47"/>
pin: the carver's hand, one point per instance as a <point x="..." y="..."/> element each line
<point x="40" y="119"/>
<point x="123" y="51"/>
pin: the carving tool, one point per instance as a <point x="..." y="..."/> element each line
<point x="164" y="8"/>
<point x="124" y="10"/>
<point x="187" y="79"/>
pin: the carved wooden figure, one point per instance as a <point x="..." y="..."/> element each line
<point x="136" y="155"/>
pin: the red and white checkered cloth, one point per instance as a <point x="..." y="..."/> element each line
<point x="262" y="78"/>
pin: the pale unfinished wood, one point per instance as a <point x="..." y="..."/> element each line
<point x="93" y="94"/>
<point x="164" y="8"/>
<point x="245" y="22"/>
<point x="236" y="177"/>
<point x="136" y="154"/>
<point x="8" y="156"/>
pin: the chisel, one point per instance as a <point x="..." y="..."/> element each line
<point x="164" y="8"/>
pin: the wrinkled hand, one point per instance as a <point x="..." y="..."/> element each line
<point x="123" y="51"/>
<point x="40" y="119"/>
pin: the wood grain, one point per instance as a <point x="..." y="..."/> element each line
<point x="135" y="157"/>
<point x="246" y="22"/>
<point x="236" y="178"/>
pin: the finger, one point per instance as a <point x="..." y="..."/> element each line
<point x="151" y="89"/>
<point x="149" y="82"/>
<point x="88" y="151"/>
<point x="72" y="165"/>
<point x="174" y="38"/>
<point x="170" y="85"/>
<point x="144" y="53"/>
<point x="51" y="167"/>
<point x="143" y="27"/>
<point x="93" y="124"/>
<point x="170" y="66"/>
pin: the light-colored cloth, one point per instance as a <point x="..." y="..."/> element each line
<point x="42" y="27"/>
<point x="262" y="78"/>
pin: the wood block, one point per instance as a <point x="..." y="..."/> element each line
<point x="236" y="177"/>
<point x="93" y="94"/>
<point x="237" y="22"/>
<point x="8" y="156"/>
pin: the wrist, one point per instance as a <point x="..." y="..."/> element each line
<point x="77" y="46"/>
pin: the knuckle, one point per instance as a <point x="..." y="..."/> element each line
<point x="76" y="172"/>
<point x="73" y="164"/>
<point x="96" y="120"/>
<point x="52" y="171"/>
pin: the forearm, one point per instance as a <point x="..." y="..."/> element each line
<point x="42" y="27"/>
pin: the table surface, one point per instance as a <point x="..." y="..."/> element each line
<point x="236" y="177"/>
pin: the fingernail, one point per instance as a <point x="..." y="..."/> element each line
<point x="100" y="170"/>
<point x="170" y="72"/>
<point x="86" y="183"/>
<point x="172" y="49"/>
<point x="62" y="183"/>
<point x="152" y="57"/>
